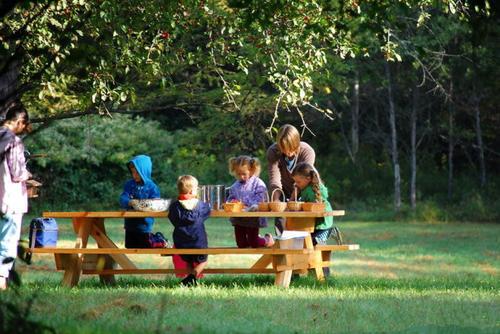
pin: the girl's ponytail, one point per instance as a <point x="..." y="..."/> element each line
<point x="308" y="170"/>
<point x="315" y="181"/>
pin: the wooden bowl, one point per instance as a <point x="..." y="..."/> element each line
<point x="264" y="206"/>
<point x="233" y="207"/>
<point x="32" y="192"/>
<point x="32" y="187"/>
<point x="277" y="206"/>
<point x="314" y="207"/>
<point x="294" y="206"/>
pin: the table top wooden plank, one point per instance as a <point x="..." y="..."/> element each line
<point x="163" y="214"/>
<point x="169" y="251"/>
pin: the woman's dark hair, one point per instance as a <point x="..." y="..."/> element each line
<point x="16" y="111"/>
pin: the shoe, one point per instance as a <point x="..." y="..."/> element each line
<point x="269" y="240"/>
<point x="337" y="236"/>
<point x="189" y="280"/>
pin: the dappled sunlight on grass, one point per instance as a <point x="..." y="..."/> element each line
<point x="389" y="250"/>
<point x="443" y="277"/>
<point x="252" y="304"/>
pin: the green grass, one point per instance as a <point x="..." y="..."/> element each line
<point x="406" y="278"/>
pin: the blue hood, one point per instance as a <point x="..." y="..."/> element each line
<point x="144" y="166"/>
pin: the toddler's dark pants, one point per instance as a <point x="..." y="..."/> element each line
<point x="135" y="239"/>
<point x="248" y="237"/>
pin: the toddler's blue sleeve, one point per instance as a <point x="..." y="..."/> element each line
<point x="125" y="196"/>
<point x="155" y="191"/>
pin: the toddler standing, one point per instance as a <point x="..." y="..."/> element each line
<point x="250" y="190"/>
<point x="188" y="215"/>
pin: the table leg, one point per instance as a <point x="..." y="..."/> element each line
<point x="283" y="278"/>
<point x="108" y="261"/>
<point x="315" y="258"/>
<point x="262" y="262"/>
<point x="103" y="241"/>
<point x="72" y="273"/>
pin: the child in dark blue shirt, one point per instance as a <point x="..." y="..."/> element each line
<point x="138" y="230"/>
<point x="188" y="215"/>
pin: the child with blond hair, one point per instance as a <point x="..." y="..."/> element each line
<point x="188" y="215"/>
<point x="251" y="190"/>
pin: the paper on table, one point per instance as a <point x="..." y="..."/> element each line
<point x="287" y="234"/>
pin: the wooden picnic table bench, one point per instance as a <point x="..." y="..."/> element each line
<point x="281" y="260"/>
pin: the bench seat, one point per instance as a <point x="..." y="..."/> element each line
<point x="336" y="247"/>
<point x="96" y="261"/>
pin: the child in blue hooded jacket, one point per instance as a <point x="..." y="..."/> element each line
<point x="138" y="230"/>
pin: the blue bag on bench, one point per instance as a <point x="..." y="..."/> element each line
<point x="43" y="232"/>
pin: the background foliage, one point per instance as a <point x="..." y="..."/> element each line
<point x="396" y="97"/>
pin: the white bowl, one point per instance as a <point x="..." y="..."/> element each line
<point x="158" y="204"/>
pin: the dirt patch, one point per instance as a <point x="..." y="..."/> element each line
<point x="493" y="254"/>
<point x="381" y="267"/>
<point x="96" y="312"/>
<point x="434" y="235"/>
<point x="488" y="268"/>
<point x="425" y="258"/>
<point x="383" y="236"/>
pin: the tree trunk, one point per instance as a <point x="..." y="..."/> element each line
<point x="8" y="84"/>
<point x="480" y="144"/>
<point x="394" y="143"/>
<point x="413" y="158"/>
<point x="355" y="116"/>
<point x="7" y="5"/>
<point x="451" y="143"/>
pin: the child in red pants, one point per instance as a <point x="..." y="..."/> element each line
<point x="250" y="190"/>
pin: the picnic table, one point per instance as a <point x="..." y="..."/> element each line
<point x="281" y="260"/>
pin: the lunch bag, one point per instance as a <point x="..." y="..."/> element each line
<point x="158" y="240"/>
<point x="43" y="233"/>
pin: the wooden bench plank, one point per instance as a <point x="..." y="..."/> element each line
<point x="336" y="247"/>
<point x="178" y="271"/>
<point x="168" y="251"/>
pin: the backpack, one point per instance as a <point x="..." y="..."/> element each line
<point x="43" y="233"/>
<point x="158" y="240"/>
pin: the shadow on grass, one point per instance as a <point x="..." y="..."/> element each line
<point x="266" y="281"/>
<point x="339" y="305"/>
<point x="431" y="329"/>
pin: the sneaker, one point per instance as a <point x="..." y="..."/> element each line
<point x="189" y="280"/>
<point x="337" y="236"/>
<point x="269" y="240"/>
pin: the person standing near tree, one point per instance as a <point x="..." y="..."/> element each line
<point x="13" y="193"/>
<point x="282" y="157"/>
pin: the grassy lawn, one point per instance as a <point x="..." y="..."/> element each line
<point x="407" y="278"/>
